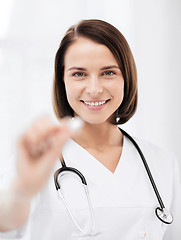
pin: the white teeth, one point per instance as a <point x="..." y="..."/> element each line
<point x="95" y="103"/>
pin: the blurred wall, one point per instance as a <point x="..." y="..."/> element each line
<point x="31" y="38"/>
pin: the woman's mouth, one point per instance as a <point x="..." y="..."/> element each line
<point x="95" y="105"/>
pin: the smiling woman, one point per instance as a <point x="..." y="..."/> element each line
<point x="104" y="191"/>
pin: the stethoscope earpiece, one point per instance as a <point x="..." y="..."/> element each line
<point x="164" y="215"/>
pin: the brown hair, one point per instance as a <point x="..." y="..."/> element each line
<point x="103" y="33"/>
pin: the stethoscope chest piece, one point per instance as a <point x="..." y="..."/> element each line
<point x="164" y="215"/>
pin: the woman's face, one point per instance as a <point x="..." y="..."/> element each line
<point x="93" y="81"/>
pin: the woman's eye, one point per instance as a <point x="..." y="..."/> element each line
<point x="109" y="73"/>
<point x="78" y="74"/>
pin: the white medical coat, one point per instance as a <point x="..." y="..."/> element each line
<point x="123" y="202"/>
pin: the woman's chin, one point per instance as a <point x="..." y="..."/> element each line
<point x="96" y="121"/>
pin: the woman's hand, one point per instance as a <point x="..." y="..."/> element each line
<point x="37" y="151"/>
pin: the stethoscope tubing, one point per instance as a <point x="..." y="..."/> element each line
<point x="146" y="167"/>
<point x="161" y="212"/>
<point x="65" y="168"/>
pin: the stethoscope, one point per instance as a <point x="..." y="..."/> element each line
<point x="161" y="212"/>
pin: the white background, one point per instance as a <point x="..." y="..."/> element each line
<point x="30" y="32"/>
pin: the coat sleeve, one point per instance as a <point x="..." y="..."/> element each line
<point x="174" y="230"/>
<point x="6" y="179"/>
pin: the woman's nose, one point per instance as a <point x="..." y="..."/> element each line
<point x="94" y="87"/>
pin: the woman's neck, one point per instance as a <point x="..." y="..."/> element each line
<point x="99" y="136"/>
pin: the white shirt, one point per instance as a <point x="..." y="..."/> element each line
<point x="123" y="202"/>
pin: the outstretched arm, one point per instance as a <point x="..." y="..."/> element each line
<point x="37" y="150"/>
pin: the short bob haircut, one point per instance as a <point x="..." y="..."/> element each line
<point x="102" y="33"/>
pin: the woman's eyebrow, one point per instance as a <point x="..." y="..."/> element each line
<point x="84" y="69"/>
<point x="108" y="67"/>
<point x="76" y="68"/>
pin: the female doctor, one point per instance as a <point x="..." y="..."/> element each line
<point x="90" y="183"/>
